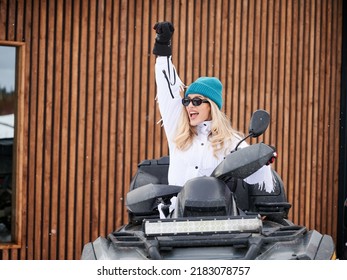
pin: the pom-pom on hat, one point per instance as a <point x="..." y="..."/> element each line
<point x="209" y="87"/>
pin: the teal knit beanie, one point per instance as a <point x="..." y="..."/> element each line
<point x="209" y="87"/>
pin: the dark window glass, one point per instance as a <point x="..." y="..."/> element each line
<point x="7" y="123"/>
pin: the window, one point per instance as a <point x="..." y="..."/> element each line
<point x="11" y="111"/>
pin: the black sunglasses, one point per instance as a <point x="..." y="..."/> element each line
<point x="197" y="101"/>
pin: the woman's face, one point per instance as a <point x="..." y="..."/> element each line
<point x="198" y="114"/>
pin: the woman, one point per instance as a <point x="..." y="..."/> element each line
<point x="199" y="134"/>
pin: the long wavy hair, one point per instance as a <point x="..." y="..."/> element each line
<point x="222" y="133"/>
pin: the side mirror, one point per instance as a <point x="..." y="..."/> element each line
<point x="259" y="123"/>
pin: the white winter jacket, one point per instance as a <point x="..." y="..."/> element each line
<point x="198" y="159"/>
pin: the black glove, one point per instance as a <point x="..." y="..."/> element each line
<point x="162" y="45"/>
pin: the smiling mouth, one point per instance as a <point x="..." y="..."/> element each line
<point x="193" y="115"/>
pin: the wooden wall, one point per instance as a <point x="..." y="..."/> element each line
<point x="90" y="111"/>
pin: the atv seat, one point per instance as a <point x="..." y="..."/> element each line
<point x="152" y="171"/>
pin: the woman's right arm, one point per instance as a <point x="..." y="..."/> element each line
<point x="169" y="86"/>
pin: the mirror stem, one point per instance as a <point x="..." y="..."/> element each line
<point x="242" y="141"/>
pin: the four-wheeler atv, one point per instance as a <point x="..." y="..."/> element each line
<point x="216" y="217"/>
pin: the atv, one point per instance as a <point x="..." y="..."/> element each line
<point x="215" y="217"/>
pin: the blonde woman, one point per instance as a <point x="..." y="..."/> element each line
<point x="199" y="134"/>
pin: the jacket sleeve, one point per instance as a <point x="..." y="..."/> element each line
<point x="169" y="86"/>
<point x="263" y="177"/>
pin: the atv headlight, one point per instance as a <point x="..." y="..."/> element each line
<point x="203" y="225"/>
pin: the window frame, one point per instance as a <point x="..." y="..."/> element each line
<point x="18" y="157"/>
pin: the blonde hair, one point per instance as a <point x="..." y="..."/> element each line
<point x="221" y="131"/>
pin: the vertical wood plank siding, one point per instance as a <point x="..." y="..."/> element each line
<point x="91" y="115"/>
